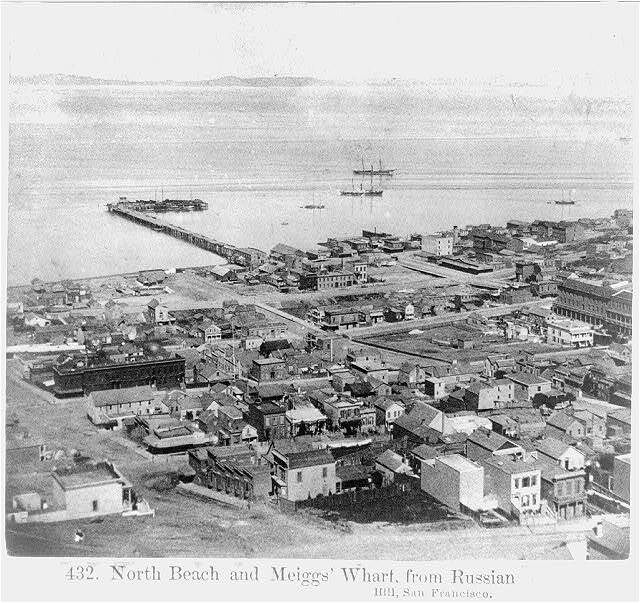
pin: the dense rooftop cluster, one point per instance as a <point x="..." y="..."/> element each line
<point x="508" y="374"/>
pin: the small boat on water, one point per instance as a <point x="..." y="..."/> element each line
<point x="312" y="206"/>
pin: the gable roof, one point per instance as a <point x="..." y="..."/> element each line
<point x="424" y="451"/>
<point x="561" y="420"/>
<point x="185" y="399"/>
<point x="614" y="538"/>
<point x="376" y="383"/>
<point x="207" y="324"/>
<point x="275" y="344"/>
<point x="272" y="390"/>
<point x="457" y="394"/>
<point x="419" y="419"/>
<point x="553" y="471"/>
<point x="224" y="269"/>
<point x="478" y="386"/>
<point x="270" y="408"/>
<point x="110" y="397"/>
<point x="552" y="447"/>
<point x="208" y="417"/>
<point x="285" y="249"/>
<point x="230" y="411"/>
<point x="152" y="276"/>
<point x="386" y="403"/>
<point x="360" y="388"/>
<point x="623" y="415"/>
<point x="502" y="420"/>
<point x="490" y="440"/>
<point x="390" y="460"/>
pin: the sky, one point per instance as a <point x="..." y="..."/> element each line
<point x="590" y="45"/>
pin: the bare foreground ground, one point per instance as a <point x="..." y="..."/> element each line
<point x="189" y="527"/>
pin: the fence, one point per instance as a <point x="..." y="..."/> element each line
<point x="402" y="487"/>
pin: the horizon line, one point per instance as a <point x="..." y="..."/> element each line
<point x="498" y="78"/>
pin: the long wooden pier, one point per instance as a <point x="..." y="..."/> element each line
<point x="243" y="256"/>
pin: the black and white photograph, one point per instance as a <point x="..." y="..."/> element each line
<point x="335" y="283"/>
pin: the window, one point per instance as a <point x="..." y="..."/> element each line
<point x="324" y="472"/>
<point x="94" y="505"/>
<point x="533" y="499"/>
<point x="534" y="480"/>
<point x="525" y="482"/>
<point x="299" y="476"/>
<point x="517" y="482"/>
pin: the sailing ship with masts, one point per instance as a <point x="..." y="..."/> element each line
<point x="353" y="192"/>
<point x="564" y="201"/>
<point x="380" y="171"/>
<point x="373" y="192"/>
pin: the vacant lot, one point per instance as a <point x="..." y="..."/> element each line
<point x="186" y="527"/>
<point x="413" y="507"/>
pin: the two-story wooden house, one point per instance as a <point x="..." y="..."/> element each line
<point x="300" y="473"/>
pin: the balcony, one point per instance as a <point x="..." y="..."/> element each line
<point x="562" y="499"/>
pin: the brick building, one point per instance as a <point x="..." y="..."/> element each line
<point x="81" y="374"/>
<point x="320" y="281"/>
<point x="268" y="369"/>
<point x="238" y="471"/>
<point x="269" y="420"/>
<point x="597" y="303"/>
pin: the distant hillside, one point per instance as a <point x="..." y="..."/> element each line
<point x="60" y="79"/>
